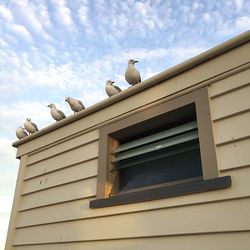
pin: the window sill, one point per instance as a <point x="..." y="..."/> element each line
<point x="163" y="192"/>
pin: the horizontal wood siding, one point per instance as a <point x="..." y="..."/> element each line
<point x="67" y="172"/>
<point x="79" y="209"/>
<point x="231" y="83"/>
<point x="218" y="241"/>
<point x="234" y="155"/>
<point x="75" y="190"/>
<point x="231" y="103"/>
<point x="231" y="129"/>
<point x="230" y="110"/>
<point x="68" y="158"/>
<point x="73" y="173"/>
<point x="194" y="219"/>
<point x="64" y="146"/>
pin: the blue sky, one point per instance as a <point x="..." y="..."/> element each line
<point x="50" y="49"/>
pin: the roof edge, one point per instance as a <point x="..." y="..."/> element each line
<point x="173" y="71"/>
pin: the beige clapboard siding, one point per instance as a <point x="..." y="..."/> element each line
<point x="234" y="155"/>
<point x="219" y="241"/>
<point x="225" y="62"/>
<point x="73" y="173"/>
<point x="205" y="218"/>
<point x="75" y="190"/>
<point x="79" y="209"/>
<point x="230" y="83"/>
<point x="232" y="128"/>
<point x="231" y="103"/>
<point x="63" y="146"/>
<point x="71" y="157"/>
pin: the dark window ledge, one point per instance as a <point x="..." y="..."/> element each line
<point x="163" y="192"/>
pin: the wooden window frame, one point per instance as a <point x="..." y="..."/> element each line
<point x="106" y="178"/>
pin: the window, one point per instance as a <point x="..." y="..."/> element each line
<point x="162" y="157"/>
<point x="164" y="150"/>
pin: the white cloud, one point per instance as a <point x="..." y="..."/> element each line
<point x="21" y="2"/>
<point x="83" y="15"/>
<point x="10" y="39"/>
<point x="128" y="19"/>
<point x="4" y="222"/>
<point x="147" y="15"/>
<point x="43" y="14"/>
<point x="3" y="43"/>
<point x="206" y="17"/>
<point x="5" y="209"/>
<point x="29" y="19"/>
<point x="22" y="73"/>
<point x="195" y="5"/>
<point x="6" y="13"/>
<point x="185" y="53"/>
<point x="243" y="23"/>
<point x="14" y="28"/>
<point x="5" y="202"/>
<point x="150" y="54"/>
<point x="62" y="12"/>
<point x="7" y="152"/>
<point x="20" y="31"/>
<point x="239" y="4"/>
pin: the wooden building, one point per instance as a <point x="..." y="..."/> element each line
<point x="164" y="165"/>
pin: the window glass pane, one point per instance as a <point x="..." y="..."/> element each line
<point x="183" y="165"/>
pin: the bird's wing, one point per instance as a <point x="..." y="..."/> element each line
<point x="61" y="113"/>
<point x="117" y="88"/>
<point x="81" y="103"/>
<point x="139" y="76"/>
<point x="34" y="125"/>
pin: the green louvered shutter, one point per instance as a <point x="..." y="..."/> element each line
<point x="166" y="156"/>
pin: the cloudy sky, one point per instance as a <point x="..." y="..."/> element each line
<point x="50" y="49"/>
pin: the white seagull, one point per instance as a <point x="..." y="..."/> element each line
<point x="30" y="126"/>
<point x="21" y="133"/>
<point x="55" y="113"/>
<point x="132" y="75"/>
<point x="75" y="105"/>
<point x="111" y="89"/>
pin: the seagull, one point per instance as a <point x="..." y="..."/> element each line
<point x="75" y="105"/>
<point x="132" y="75"/>
<point x="55" y="113"/>
<point x="111" y="89"/>
<point x="21" y="133"/>
<point x="30" y="126"/>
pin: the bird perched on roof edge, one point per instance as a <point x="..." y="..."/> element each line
<point x="30" y="126"/>
<point x="75" y="105"/>
<point x="55" y="113"/>
<point x="132" y="75"/>
<point x="111" y="89"/>
<point x="21" y="133"/>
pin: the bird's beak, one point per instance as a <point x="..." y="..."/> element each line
<point x="113" y="82"/>
<point x="135" y="61"/>
<point x="48" y="106"/>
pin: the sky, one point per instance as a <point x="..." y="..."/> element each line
<point x="51" y="49"/>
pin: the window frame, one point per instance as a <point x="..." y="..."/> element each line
<point x="106" y="178"/>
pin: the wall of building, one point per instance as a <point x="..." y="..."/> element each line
<point x="58" y="175"/>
